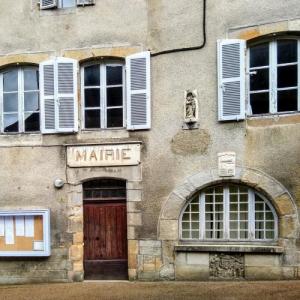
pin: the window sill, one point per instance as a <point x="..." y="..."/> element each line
<point x="230" y="248"/>
<point x="273" y="119"/>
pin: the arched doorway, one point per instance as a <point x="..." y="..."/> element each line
<point x="105" y="229"/>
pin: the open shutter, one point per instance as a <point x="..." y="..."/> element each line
<point x="45" y="4"/>
<point x="47" y="96"/>
<point x="138" y="91"/>
<point x="58" y="94"/>
<point x="85" y="2"/>
<point x="67" y="94"/>
<point x="231" y="79"/>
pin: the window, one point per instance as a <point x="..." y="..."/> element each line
<point x="19" y="89"/>
<point x="49" y="4"/>
<point x="103" y="95"/>
<point x="229" y="212"/>
<point x="274" y="80"/>
<point x="66" y="3"/>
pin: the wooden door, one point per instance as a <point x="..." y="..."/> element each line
<point x="105" y="235"/>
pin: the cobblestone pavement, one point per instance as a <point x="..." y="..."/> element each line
<point x="275" y="290"/>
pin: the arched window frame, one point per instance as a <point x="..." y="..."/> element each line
<point x="20" y="91"/>
<point x="273" y="99"/>
<point x="226" y="219"/>
<point x="103" y="95"/>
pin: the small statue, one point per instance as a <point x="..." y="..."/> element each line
<point x="190" y="107"/>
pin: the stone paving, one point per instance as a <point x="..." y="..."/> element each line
<point x="268" y="290"/>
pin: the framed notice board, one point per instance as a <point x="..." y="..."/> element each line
<point x="25" y="233"/>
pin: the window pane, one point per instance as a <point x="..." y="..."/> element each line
<point x="287" y="76"/>
<point x="195" y="217"/>
<point x="92" y="119"/>
<point x="11" y="123"/>
<point x="92" y="97"/>
<point x="185" y="234"/>
<point x="32" y="122"/>
<point x="115" y="117"/>
<point x="115" y="96"/>
<point x="68" y="3"/>
<point x="186" y="217"/>
<point x="31" y="101"/>
<point x="114" y="75"/>
<point x="31" y="79"/>
<point x="270" y="235"/>
<point x="233" y="234"/>
<point x="195" y="234"/>
<point x="259" y="55"/>
<point x="286" y="51"/>
<point x="260" y="80"/>
<point x="287" y="100"/>
<point x="10" y="102"/>
<point x="194" y="207"/>
<point x="10" y="81"/>
<point x="195" y="225"/>
<point x="185" y="225"/>
<point x="243" y="234"/>
<point x="92" y="75"/>
<point x="259" y="103"/>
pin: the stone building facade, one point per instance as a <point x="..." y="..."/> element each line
<point x="65" y="153"/>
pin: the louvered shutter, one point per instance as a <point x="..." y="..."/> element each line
<point x="231" y="79"/>
<point x="85" y="2"/>
<point x="138" y="91"/>
<point x="47" y="96"/>
<point x="45" y="4"/>
<point x="58" y="93"/>
<point x="67" y="94"/>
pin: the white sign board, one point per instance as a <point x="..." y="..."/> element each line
<point x="226" y="164"/>
<point x="104" y="155"/>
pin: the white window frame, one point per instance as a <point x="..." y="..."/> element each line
<point x="45" y="213"/>
<point x="272" y="76"/>
<point x="103" y="94"/>
<point x="226" y="218"/>
<point x="21" y="108"/>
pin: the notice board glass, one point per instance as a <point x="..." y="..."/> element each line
<point x="25" y="233"/>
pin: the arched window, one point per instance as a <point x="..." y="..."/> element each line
<point x="19" y="91"/>
<point x="229" y="212"/>
<point x="274" y="80"/>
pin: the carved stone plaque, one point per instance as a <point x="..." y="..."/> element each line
<point x="226" y="266"/>
<point x="104" y="155"/>
<point x="226" y="164"/>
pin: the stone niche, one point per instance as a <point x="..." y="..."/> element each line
<point x="226" y="266"/>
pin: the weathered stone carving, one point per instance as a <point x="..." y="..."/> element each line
<point x="226" y="266"/>
<point x="226" y="164"/>
<point x="191" y="106"/>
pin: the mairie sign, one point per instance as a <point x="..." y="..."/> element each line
<point x="104" y="155"/>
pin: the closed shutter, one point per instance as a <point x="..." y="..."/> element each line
<point x="231" y="79"/>
<point x="58" y="80"/>
<point x="85" y="2"/>
<point x="67" y="94"/>
<point x="138" y="91"/>
<point x="47" y="96"/>
<point x="45" y="4"/>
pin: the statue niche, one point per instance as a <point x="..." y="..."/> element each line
<point x="190" y="107"/>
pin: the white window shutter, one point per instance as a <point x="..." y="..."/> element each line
<point x="58" y="94"/>
<point x="138" y="91"/>
<point x="231" y="79"/>
<point x="47" y="96"/>
<point x="67" y="94"/>
<point x="45" y="4"/>
<point x="85" y="2"/>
